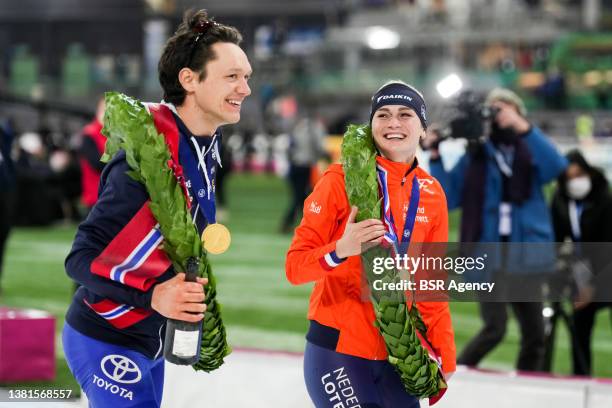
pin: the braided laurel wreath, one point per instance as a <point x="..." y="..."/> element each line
<point x="129" y="127"/>
<point x="396" y="322"/>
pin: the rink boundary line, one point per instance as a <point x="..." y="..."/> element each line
<point x="536" y="375"/>
<point x="255" y="350"/>
<point x="512" y="374"/>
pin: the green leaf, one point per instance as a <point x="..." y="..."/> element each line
<point x="396" y="324"/>
<point x="128" y="126"/>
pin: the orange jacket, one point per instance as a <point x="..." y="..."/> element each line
<point x="336" y="298"/>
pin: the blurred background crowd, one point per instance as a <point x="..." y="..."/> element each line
<point x="316" y="62"/>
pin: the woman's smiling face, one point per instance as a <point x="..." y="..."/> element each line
<point x="396" y="130"/>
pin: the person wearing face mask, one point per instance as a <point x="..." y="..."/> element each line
<point x="498" y="186"/>
<point x="582" y="212"/>
<point x="344" y="348"/>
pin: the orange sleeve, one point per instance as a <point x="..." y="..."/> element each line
<point x="436" y="315"/>
<point x="440" y="334"/>
<point x="312" y="252"/>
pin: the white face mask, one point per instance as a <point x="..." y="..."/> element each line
<point x="579" y="187"/>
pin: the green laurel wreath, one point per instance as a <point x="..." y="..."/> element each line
<point x="128" y="126"/>
<point x="396" y="323"/>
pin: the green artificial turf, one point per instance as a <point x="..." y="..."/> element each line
<point x="260" y="308"/>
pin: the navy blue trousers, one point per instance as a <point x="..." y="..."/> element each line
<point x="336" y="380"/>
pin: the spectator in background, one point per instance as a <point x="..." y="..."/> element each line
<point x="7" y="186"/>
<point x="582" y="212"/>
<point x="553" y="90"/>
<point x="602" y="95"/>
<point x="585" y="128"/>
<point x="45" y="181"/>
<point x="90" y="152"/>
<point x="64" y="181"/>
<point x="38" y="201"/>
<point x="606" y="129"/>
<point x="307" y="146"/>
<point x="499" y="188"/>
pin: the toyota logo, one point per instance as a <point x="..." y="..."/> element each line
<point x="121" y="369"/>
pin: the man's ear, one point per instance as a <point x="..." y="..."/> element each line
<point x="188" y="79"/>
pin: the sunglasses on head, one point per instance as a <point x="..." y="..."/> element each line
<point x="201" y="28"/>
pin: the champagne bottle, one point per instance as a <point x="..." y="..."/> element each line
<point x="182" y="343"/>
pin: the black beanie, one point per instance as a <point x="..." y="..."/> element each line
<point x="397" y="93"/>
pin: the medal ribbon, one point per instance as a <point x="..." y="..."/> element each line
<point x="397" y="245"/>
<point x="204" y="194"/>
<point x="390" y="235"/>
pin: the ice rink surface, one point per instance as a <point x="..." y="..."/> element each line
<point x="268" y="379"/>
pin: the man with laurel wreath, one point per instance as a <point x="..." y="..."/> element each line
<point x="129" y="254"/>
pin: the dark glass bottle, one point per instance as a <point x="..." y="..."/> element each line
<point x="182" y="343"/>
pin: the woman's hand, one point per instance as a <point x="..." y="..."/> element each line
<point x="356" y="234"/>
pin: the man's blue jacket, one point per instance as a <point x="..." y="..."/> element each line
<point x="531" y="221"/>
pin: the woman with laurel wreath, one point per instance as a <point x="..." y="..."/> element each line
<point x="158" y="188"/>
<point x="347" y="360"/>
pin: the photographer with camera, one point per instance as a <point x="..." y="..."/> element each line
<point x="498" y="184"/>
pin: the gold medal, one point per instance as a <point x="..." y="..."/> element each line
<point x="216" y="238"/>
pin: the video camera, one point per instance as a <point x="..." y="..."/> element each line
<point x="470" y="117"/>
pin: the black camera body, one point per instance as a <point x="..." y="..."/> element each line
<point x="471" y="118"/>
